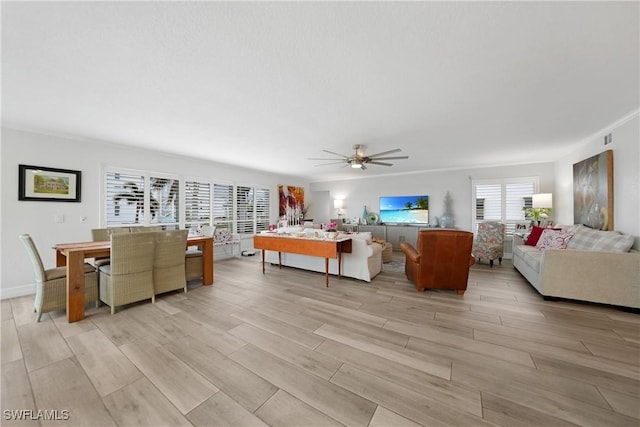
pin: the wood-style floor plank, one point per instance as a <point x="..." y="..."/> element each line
<point x="183" y="386"/>
<point x="338" y="403"/>
<point x="220" y="410"/>
<point x="284" y="410"/>
<point x="142" y="404"/>
<point x="107" y="368"/>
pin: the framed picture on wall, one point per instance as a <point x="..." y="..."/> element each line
<point x="40" y="183"/>
<point x="593" y="191"/>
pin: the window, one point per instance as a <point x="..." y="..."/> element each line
<point x="223" y="206"/>
<point x="141" y="198"/>
<point x="125" y="201"/>
<point x="502" y="200"/>
<point x="197" y="203"/>
<point x="164" y="200"/>
<point x="263" y="204"/>
<point x="252" y="209"/>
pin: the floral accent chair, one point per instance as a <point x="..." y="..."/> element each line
<point x="489" y="242"/>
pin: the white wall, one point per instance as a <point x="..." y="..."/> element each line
<point x="359" y="193"/>
<point x="626" y="175"/>
<point x="89" y="157"/>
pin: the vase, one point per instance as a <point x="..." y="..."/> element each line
<point x="446" y="220"/>
<point x="331" y="234"/>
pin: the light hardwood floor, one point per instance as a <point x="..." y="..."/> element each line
<point x="280" y="349"/>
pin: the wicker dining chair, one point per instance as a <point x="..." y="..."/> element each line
<point x="169" y="261"/>
<point x="51" y="284"/>
<point x="193" y="261"/>
<point x="104" y="235"/>
<point x="129" y="277"/>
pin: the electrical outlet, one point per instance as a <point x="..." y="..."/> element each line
<point x="58" y="218"/>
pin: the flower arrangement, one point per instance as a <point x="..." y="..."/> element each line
<point x="536" y="213"/>
<point x="332" y="226"/>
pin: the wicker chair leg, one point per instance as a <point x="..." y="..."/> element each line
<point x="39" y="316"/>
<point x="113" y="310"/>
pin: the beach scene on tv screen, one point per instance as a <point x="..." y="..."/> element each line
<point x="404" y="209"/>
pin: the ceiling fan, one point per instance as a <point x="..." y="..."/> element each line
<point x="358" y="160"/>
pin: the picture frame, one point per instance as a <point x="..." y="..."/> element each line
<point x="593" y="191"/>
<point x="45" y="184"/>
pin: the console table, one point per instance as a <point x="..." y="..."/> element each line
<point x="325" y="248"/>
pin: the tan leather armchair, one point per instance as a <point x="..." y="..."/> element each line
<point x="441" y="260"/>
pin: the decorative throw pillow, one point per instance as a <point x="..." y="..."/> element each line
<point x="534" y="236"/>
<point x="553" y="239"/>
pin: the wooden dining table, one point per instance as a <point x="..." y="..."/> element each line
<point x="73" y="255"/>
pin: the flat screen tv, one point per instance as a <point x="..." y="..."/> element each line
<point x="412" y="210"/>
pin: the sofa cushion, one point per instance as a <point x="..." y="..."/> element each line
<point x="554" y="239"/>
<point x="613" y="243"/>
<point x="584" y="238"/>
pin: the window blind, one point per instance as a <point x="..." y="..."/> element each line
<point x="223" y="205"/>
<point x="125" y="198"/>
<point x="197" y="203"/>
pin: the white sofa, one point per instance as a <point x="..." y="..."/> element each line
<point x="596" y="266"/>
<point x="364" y="262"/>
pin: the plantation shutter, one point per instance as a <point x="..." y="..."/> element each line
<point x="197" y="200"/>
<point x="223" y="206"/>
<point x="245" y="210"/>
<point x="164" y="200"/>
<point x="503" y="200"/>
<point x="124" y="204"/>
<point x="263" y="203"/>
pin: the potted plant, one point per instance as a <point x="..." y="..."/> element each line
<point x="536" y="213"/>
<point x="331" y="229"/>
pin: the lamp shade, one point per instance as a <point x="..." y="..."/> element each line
<point x="338" y="203"/>
<point x="542" y="200"/>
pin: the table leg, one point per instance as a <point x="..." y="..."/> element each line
<point x="75" y="286"/>
<point x="263" y="251"/>
<point x="326" y="271"/>
<point x="207" y="262"/>
<point x="61" y="259"/>
<point x="280" y="260"/>
<point x="339" y="265"/>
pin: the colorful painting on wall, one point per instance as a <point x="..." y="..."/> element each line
<point x="593" y="191"/>
<point x="291" y="201"/>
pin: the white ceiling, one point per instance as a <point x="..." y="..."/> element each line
<point x="269" y="84"/>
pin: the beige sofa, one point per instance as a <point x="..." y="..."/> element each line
<point x="364" y="262"/>
<point x="596" y="266"/>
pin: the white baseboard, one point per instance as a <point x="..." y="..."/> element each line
<point x="17" y="291"/>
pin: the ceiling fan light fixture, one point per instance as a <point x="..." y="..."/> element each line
<point x="356" y="165"/>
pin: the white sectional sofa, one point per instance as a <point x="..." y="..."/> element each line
<point x="364" y="262"/>
<point x="596" y="266"/>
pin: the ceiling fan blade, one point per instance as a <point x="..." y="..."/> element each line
<point x="363" y="167"/>
<point x="389" y="158"/>
<point x="371" y="156"/>
<point x="332" y="163"/>
<point x="380" y="163"/>
<point x="325" y="158"/>
<point x="336" y="154"/>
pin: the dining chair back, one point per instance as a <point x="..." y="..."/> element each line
<point x="104" y="235"/>
<point x="169" y="261"/>
<point x="51" y="284"/>
<point x="129" y="277"/>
